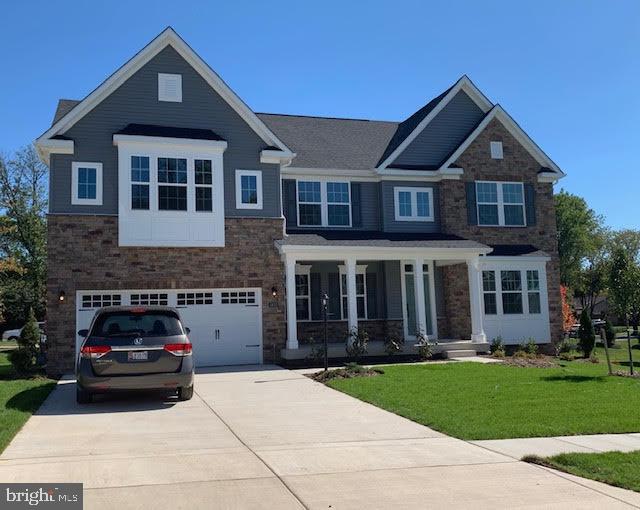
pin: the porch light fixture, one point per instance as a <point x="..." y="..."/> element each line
<point x="61" y="296"/>
<point x="274" y="291"/>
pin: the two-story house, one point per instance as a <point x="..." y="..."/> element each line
<point x="166" y="188"/>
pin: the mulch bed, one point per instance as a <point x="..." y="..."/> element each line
<point x="539" y="361"/>
<point x="345" y="373"/>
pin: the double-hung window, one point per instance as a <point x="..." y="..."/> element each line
<point x="533" y="291"/>
<point x="361" y="292"/>
<point x="204" y="185"/>
<point x="489" y="292"/>
<point x="324" y="203"/>
<point x="86" y="183"/>
<point x="303" y="293"/>
<point x="172" y="184"/>
<point x="139" y="182"/>
<point x="413" y="204"/>
<point x="248" y="189"/>
<point x="500" y="204"/>
<point x="511" y="283"/>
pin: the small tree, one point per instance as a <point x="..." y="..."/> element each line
<point x="567" y="313"/>
<point x="586" y="334"/>
<point x="609" y="334"/>
<point x="24" y="357"/>
<point x="357" y="344"/>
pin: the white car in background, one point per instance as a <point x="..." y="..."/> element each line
<point x="12" y="335"/>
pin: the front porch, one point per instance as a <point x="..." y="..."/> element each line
<point x="373" y="288"/>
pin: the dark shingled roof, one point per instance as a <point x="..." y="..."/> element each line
<point x="323" y="142"/>
<point x="168" y="132"/>
<point x="310" y="237"/>
<point x="64" y="107"/>
<point x="514" y="250"/>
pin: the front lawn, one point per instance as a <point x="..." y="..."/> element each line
<point x="493" y="401"/>
<point x="19" y="399"/>
<point x="621" y="469"/>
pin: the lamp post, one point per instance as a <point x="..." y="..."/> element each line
<point x="325" y="301"/>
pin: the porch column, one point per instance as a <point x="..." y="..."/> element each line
<point x="292" y="326"/>
<point x="352" y="304"/>
<point x="418" y="288"/>
<point x="475" y="296"/>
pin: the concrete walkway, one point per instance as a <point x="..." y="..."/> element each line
<point x="548" y="446"/>
<point x="265" y="437"/>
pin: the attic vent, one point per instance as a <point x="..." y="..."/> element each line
<point x="496" y="150"/>
<point x="170" y="87"/>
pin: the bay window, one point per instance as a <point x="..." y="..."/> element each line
<point x="139" y="182"/>
<point x="324" y="204"/>
<point x="489" y="292"/>
<point x="500" y="204"/>
<point x="516" y="292"/>
<point x="204" y="182"/>
<point x="172" y="184"/>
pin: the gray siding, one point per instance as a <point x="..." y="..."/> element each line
<point x="394" y="289"/>
<point x="388" y="208"/>
<point x="443" y="134"/>
<point x="136" y="101"/>
<point x="369" y="206"/>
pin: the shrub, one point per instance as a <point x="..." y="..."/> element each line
<point x="424" y="347"/>
<point x="393" y="344"/>
<point x="564" y="347"/>
<point x="531" y="347"/>
<point x="521" y="351"/>
<point x="357" y="344"/>
<point x="586" y="335"/>
<point x="497" y="347"/>
<point x="609" y="334"/>
<point x="24" y="357"/>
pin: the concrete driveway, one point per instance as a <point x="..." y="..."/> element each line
<point x="264" y="437"/>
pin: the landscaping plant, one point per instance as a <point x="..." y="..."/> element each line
<point x="357" y="344"/>
<point x="586" y="334"/>
<point x="24" y="357"/>
<point x="532" y="347"/>
<point x="393" y="344"/>
<point x="497" y="347"/>
<point x="424" y="347"/>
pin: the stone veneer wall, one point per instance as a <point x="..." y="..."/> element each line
<point x="84" y="254"/>
<point x="337" y="331"/>
<point x="517" y="165"/>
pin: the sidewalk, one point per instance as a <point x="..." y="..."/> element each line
<point x="548" y="446"/>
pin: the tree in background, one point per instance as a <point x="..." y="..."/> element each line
<point x="580" y="232"/>
<point x="624" y="289"/>
<point x="586" y="334"/>
<point x="24" y="357"/>
<point x="629" y="241"/>
<point x="23" y="204"/>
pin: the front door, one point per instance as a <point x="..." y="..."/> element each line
<point x="409" y="298"/>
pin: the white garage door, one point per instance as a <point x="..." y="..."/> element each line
<point x="225" y="324"/>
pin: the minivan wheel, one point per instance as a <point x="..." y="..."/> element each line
<point x="185" y="393"/>
<point x="83" y="396"/>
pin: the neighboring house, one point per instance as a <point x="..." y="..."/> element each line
<point x="165" y="188"/>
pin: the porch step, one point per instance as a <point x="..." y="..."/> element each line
<point x="459" y="353"/>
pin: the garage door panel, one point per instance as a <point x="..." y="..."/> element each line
<point x="225" y="324"/>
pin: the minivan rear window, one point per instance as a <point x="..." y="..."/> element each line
<point x="127" y="324"/>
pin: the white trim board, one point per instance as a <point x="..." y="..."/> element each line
<point x="168" y="37"/>
<point x="464" y="84"/>
<point x="516" y="131"/>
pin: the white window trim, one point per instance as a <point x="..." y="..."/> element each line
<point x="496" y="150"/>
<point x="524" y="291"/>
<point x="414" y="203"/>
<point x="360" y="269"/>
<point x="196" y="186"/>
<point x="305" y="269"/>
<point x="324" y="204"/>
<point x="500" y="203"/>
<point x="163" y="78"/>
<point x="75" y="165"/>
<point x="251" y="173"/>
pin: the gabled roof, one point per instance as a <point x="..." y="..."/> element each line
<point x="497" y="112"/>
<point x="321" y="142"/>
<point x="409" y="129"/>
<point x="64" y="107"/>
<point x="68" y="113"/>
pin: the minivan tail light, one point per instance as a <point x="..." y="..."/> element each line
<point x="178" y="349"/>
<point x="94" y="351"/>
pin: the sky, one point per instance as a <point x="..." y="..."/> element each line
<point x="568" y="71"/>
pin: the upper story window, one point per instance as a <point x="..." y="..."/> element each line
<point x="170" y="87"/>
<point x="496" y="150"/>
<point x="86" y="183"/>
<point x="324" y="203"/>
<point x="204" y="185"/>
<point x="413" y="204"/>
<point x="248" y="189"/>
<point x="172" y="184"/>
<point x="500" y="204"/>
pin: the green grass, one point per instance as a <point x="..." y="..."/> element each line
<point x="621" y="469"/>
<point x="19" y="399"/>
<point x="475" y="401"/>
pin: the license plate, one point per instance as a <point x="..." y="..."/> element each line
<point x="138" y="355"/>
